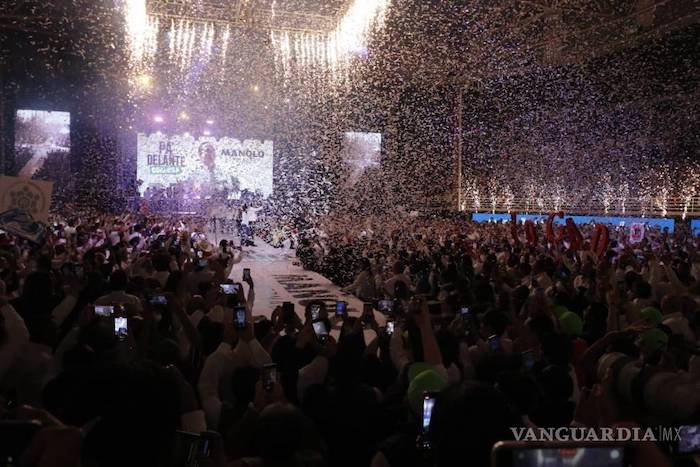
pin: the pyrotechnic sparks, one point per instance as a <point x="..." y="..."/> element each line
<point x="331" y="51"/>
<point x="141" y="31"/>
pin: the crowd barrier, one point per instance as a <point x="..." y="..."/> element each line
<point x="654" y="222"/>
<point x="695" y="226"/>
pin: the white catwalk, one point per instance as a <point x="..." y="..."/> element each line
<point x="278" y="278"/>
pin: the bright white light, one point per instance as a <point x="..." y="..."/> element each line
<point x="184" y="115"/>
<point x="186" y="134"/>
<point x="224" y="40"/>
<point x="136" y="25"/>
<point x="143" y="82"/>
<point x="210" y="122"/>
<point x="141" y="37"/>
<point x="158" y="119"/>
<point x="332" y="50"/>
<point x="354" y="27"/>
<point x="206" y="132"/>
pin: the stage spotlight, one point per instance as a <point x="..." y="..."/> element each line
<point x="184" y="115"/>
<point x="187" y="134"/>
<point x="144" y="82"/>
<point x="210" y="122"/>
<point x="207" y="133"/>
<point x="158" y="119"/>
<point x="255" y="88"/>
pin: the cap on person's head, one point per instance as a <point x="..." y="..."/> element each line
<point x="651" y="314"/>
<point x="417" y="368"/>
<point x="571" y="324"/>
<point x="428" y="380"/>
<point x="559" y="310"/>
<point x="654" y="339"/>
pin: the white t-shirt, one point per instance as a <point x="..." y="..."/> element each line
<point x="250" y="215"/>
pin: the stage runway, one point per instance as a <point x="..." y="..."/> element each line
<point x="278" y="278"/>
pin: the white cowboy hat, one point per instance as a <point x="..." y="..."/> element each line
<point x="205" y="247"/>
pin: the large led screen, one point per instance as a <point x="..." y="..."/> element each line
<point x="42" y="141"/>
<point x="205" y="166"/>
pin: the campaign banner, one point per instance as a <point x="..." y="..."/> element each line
<point x="24" y="206"/>
<point x="636" y="232"/>
<point x="200" y="167"/>
<point x="33" y="196"/>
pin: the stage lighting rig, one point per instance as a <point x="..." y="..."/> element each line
<point x="253" y="14"/>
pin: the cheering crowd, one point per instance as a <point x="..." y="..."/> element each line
<point x="134" y="340"/>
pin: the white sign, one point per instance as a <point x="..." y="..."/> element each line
<point x="636" y="232"/>
<point x="32" y="196"/>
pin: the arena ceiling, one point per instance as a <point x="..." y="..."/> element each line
<point x="471" y="41"/>
<point x="426" y="40"/>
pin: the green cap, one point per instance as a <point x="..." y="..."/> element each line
<point x="651" y="314"/>
<point x="560" y="310"/>
<point x="428" y="380"/>
<point x="417" y="368"/>
<point x="571" y="324"/>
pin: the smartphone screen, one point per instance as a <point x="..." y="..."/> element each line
<point x="689" y="442"/>
<point x="203" y="263"/>
<point x="320" y="330"/>
<point x="121" y="327"/>
<point x="104" y="310"/>
<point x="390" y="327"/>
<point x="229" y="289"/>
<point x="159" y="300"/>
<point x="494" y="343"/>
<point x="386" y="306"/>
<point x="315" y="312"/>
<point x="240" y="317"/>
<point x="464" y="312"/>
<point x="190" y="448"/>
<point x="246" y="274"/>
<point x="341" y="308"/>
<point x="269" y="376"/>
<point x="529" y="359"/>
<point x="428" y="404"/>
<point x="579" y="456"/>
